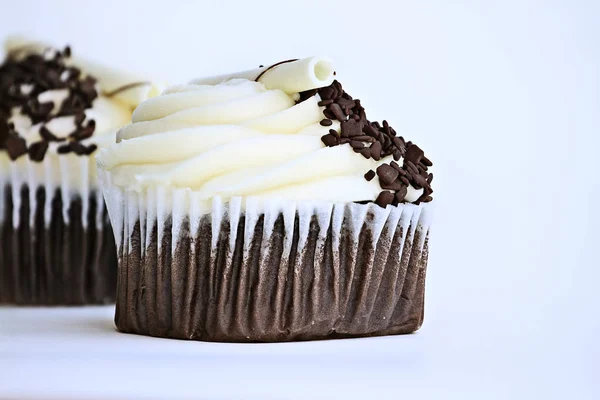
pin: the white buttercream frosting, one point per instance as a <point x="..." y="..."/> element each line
<point x="108" y="113"/>
<point x="109" y="78"/>
<point x="231" y="136"/>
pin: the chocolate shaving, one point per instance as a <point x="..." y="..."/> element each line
<point x="37" y="151"/>
<point x="15" y="146"/>
<point x="336" y="110"/>
<point x="273" y="66"/>
<point x="376" y="141"/>
<point x="329" y="140"/>
<point x="49" y="136"/>
<point x="23" y="77"/>
<point x="384" y="199"/>
<point x="387" y="174"/>
<point x="125" y="88"/>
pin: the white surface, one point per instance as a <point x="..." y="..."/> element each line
<point x="75" y="353"/>
<point x="505" y="97"/>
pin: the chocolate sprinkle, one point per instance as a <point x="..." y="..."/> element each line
<point x="15" y="146"/>
<point x="385" y="198"/>
<point x="23" y="77"/>
<point x="37" y="151"/>
<point x="376" y="141"/>
<point x="48" y="136"/>
<point x="387" y="174"/>
<point x="329" y="140"/>
<point x="370" y="175"/>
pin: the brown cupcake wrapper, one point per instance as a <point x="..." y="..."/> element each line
<point x="266" y="271"/>
<point x="55" y="248"/>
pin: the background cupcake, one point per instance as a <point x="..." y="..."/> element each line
<point x="265" y="206"/>
<point x="56" y="246"/>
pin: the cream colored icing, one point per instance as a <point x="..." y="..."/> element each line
<point x="109" y="114"/>
<point x="237" y="138"/>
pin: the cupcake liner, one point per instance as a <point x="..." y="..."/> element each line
<point x="258" y="270"/>
<point x="56" y="245"/>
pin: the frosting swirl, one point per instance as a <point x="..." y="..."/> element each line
<point x="232" y="136"/>
<point x="55" y="108"/>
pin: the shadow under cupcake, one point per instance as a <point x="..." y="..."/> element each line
<point x="56" y="244"/>
<point x="264" y="206"/>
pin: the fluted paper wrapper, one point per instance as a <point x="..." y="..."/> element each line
<point x="56" y="244"/>
<point x="253" y="270"/>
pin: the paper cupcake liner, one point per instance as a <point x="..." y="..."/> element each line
<point x="263" y="271"/>
<point x="56" y="244"/>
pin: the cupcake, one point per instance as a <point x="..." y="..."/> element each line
<point x="56" y="245"/>
<point x="264" y="206"/>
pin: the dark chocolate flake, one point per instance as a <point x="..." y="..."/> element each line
<point x="357" y="145"/>
<point x="420" y="181"/>
<point x="64" y="149"/>
<point x="426" y="161"/>
<point x="414" y="154"/>
<point x="79" y="118"/>
<point x="37" y="151"/>
<point x="366" y="152"/>
<point x="411" y="167"/>
<point x="383" y="140"/>
<point x="329" y="140"/>
<point x="387" y="174"/>
<point x="364" y="138"/>
<point x="371" y="131"/>
<point x="394" y="186"/>
<point x="346" y="103"/>
<point x="384" y="199"/>
<point x="23" y="79"/>
<point x="15" y="146"/>
<point x="376" y="151"/>
<point x="85" y="133"/>
<point x="326" y="93"/>
<point x="328" y="114"/>
<point x="78" y="148"/>
<point x="90" y="149"/>
<point x="49" y="136"/>
<point x="337" y="112"/>
<point x="351" y="128"/>
<point x="399" y="143"/>
<point x="325" y="103"/>
<point x="401" y="194"/>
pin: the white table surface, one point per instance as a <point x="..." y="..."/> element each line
<point x="76" y="353"/>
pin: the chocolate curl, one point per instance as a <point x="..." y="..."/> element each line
<point x="291" y="76"/>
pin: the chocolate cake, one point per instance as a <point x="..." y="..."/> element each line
<point x="365" y="283"/>
<point x="63" y="263"/>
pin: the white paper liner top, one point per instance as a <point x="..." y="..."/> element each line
<point x="127" y="208"/>
<point x="73" y="175"/>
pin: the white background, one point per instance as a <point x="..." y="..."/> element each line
<point x="505" y="98"/>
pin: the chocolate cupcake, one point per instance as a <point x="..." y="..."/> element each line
<point x="56" y="245"/>
<point x="264" y="206"/>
